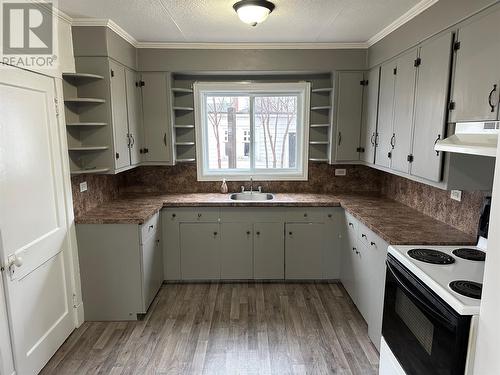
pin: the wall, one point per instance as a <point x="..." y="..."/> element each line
<point x="199" y="60"/>
<point x="435" y="202"/>
<point x="440" y="16"/>
<point x="101" y="188"/>
<point x="487" y="360"/>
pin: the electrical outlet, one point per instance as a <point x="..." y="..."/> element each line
<point x="83" y="186"/>
<point x="456" y="195"/>
<point x="340" y="172"/>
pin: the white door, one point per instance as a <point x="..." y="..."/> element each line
<point x="32" y="219"/>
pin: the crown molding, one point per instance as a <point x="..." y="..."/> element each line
<point x="162" y="45"/>
<point x="412" y="13"/>
<point x="104" y="22"/>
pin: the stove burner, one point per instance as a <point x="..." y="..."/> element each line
<point x="467" y="288"/>
<point x="470" y="254"/>
<point x="431" y="256"/>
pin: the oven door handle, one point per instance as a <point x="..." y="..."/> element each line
<point x="417" y="300"/>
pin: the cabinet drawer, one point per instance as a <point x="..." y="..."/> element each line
<point x="193" y="215"/>
<point x="308" y="214"/>
<point x="370" y="239"/>
<point x="150" y="227"/>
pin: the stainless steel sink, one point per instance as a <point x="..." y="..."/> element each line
<point x="251" y="196"/>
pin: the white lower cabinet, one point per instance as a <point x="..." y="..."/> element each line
<point x="363" y="273"/>
<point x="251" y="243"/>
<point x="304" y="246"/>
<point x="200" y="251"/>
<point x="268" y="251"/>
<point x="121" y="268"/>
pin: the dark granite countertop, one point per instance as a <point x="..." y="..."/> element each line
<point x="392" y="221"/>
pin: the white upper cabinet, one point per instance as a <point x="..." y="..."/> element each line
<point x="134" y="110"/>
<point x="119" y="114"/>
<point x="430" y="106"/>
<point x="477" y="74"/>
<point x="157" y="118"/>
<point x="404" y="96"/>
<point x="384" y="138"/>
<point x="348" y="118"/>
<point x="369" y="116"/>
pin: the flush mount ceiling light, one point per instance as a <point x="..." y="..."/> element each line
<point x="253" y="12"/>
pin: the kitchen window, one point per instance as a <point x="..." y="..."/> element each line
<point x="257" y="130"/>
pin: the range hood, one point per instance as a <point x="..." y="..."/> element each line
<point x="473" y="138"/>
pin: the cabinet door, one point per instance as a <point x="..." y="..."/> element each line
<point x="430" y="107"/>
<point x="236" y="251"/>
<point x="370" y="112"/>
<point x="349" y="107"/>
<point x="363" y="273"/>
<point x="385" y="114"/>
<point x="349" y="248"/>
<point x="134" y="110"/>
<point x="120" y="118"/>
<point x="304" y="244"/>
<point x="157" y="118"/>
<point x="200" y="251"/>
<point x="404" y="99"/>
<point x="269" y="251"/>
<point x="477" y="71"/>
<point x="152" y="269"/>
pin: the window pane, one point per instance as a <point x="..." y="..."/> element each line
<point x="228" y="130"/>
<point x="275" y="131"/>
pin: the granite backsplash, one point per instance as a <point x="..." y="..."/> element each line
<point x="181" y="178"/>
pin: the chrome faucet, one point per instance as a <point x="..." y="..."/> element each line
<point x="251" y="184"/>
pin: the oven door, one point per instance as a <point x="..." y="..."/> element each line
<point x="424" y="333"/>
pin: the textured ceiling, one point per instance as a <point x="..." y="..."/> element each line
<point x="215" y="21"/>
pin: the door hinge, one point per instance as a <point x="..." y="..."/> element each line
<point x="117" y="155"/>
<point x="360" y="149"/>
<point x="410" y="158"/>
<point x="456" y="46"/>
<point x="112" y="73"/>
<point x="395" y="71"/>
<point x="451" y="105"/>
<point x="418" y="62"/>
<point x="56" y="103"/>
<point x="389" y="154"/>
<point x="364" y="82"/>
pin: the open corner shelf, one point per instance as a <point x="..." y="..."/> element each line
<point x="84" y="101"/>
<point x="184" y="143"/>
<point x="319" y="143"/>
<point x="319" y="125"/>
<point x="90" y="171"/>
<point x="81" y="77"/>
<point x="186" y="109"/>
<point x="322" y="90"/>
<point x="184" y="126"/>
<point x="181" y="90"/>
<point x="321" y="108"/>
<point x="319" y="160"/>
<point x="187" y="160"/>
<point x="78" y="124"/>
<point x="88" y="148"/>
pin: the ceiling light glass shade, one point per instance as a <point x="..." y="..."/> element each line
<point x="253" y="12"/>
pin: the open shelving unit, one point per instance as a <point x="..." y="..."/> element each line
<point x="183" y="118"/>
<point x="321" y="118"/>
<point x="87" y="128"/>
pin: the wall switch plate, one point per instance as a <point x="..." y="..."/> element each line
<point x="456" y="195"/>
<point x="340" y="172"/>
<point x="83" y="186"/>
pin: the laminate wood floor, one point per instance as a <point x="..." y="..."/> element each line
<point x="228" y="328"/>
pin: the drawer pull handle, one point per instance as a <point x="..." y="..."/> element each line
<point x="372" y="243"/>
<point x="364" y="235"/>
<point x="199" y="215"/>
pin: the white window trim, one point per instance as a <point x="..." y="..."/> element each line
<point x="303" y="89"/>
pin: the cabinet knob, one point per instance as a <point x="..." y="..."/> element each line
<point x="151" y="227"/>
<point x="351" y="224"/>
<point x="174" y="215"/>
<point x="257" y="233"/>
<point x="372" y="243"/>
<point x="353" y="249"/>
<point x="330" y="215"/>
<point x="290" y="233"/>
<point x="248" y="232"/>
<point x="364" y="235"/>
<point x="305" y="214"/>
<point x="199" y="215"/>
<point x="215" y="233"/>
